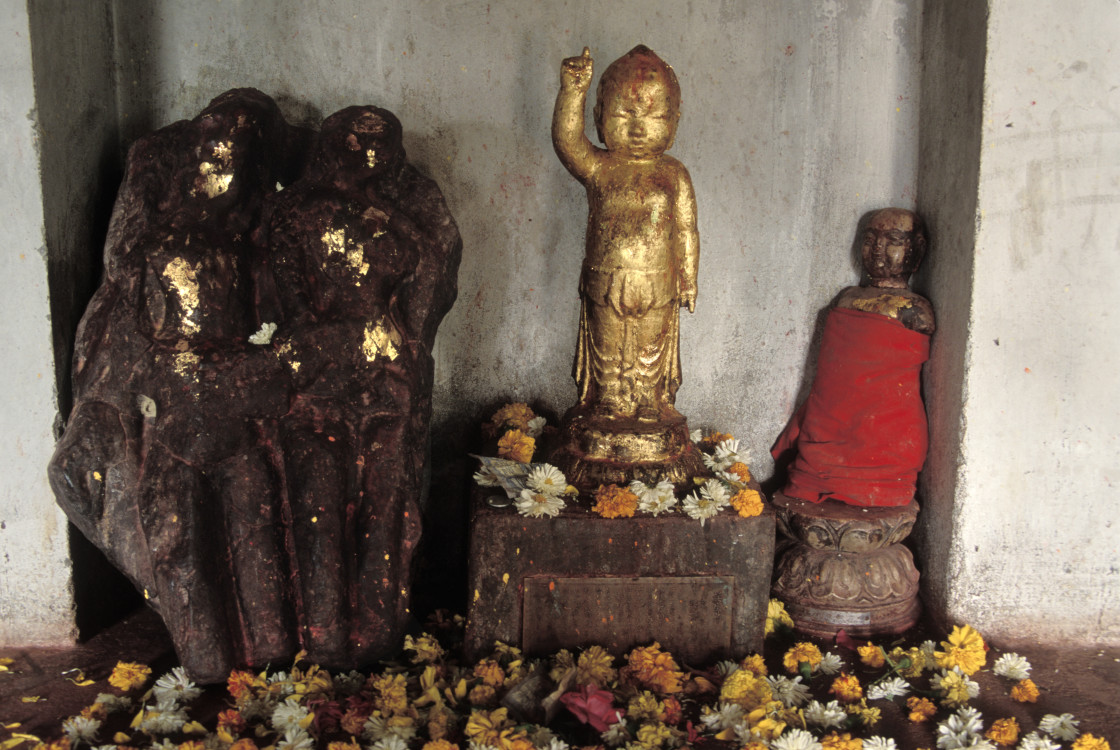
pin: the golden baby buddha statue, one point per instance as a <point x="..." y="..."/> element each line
<point x="642" y="257"/>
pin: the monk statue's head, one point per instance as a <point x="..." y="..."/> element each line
<point x="638" y="104"/>
<point x="892" y="246"/>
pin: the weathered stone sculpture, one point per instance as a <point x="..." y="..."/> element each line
<point x="860" y="440"/>
<point x="640" y="268"/>
<point x="253" y="383"/>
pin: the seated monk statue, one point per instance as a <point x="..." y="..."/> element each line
<point x="861" y="436"/>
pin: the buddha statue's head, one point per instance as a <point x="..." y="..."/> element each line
<point x="361" y="142"/>
<point x="892" y="246"/>
<point x="637" y="105"/>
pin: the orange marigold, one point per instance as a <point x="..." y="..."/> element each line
<point x="846" y="688"/>
<point x="1004" y="732"/>
<point x="837" y="741"/>
<point x="490" y="672"/>
<point x="243" y="744"/>
<point x="871" y="655"/>
<point x="1089" y="742"/>
<point x="741" y="470"/>
<point x="921" y="709"/>
<point x="129" y="675"/>
<point x="712" y="439"/>
<point x="748" y="502"/>
<point x="651" y="668"/>
<point x="239" y="684"/>
<point x="232" y="721"/>
<point x="1025" y="691"/>
<point x="351" y="745"/>
<point x="440" y="745"/>
<point x="612" y="501"/>
<point x="515" y="416"/>
<point x="801" y="652"/>
<point x="516" y="446"/>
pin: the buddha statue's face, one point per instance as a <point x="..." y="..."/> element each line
<point x="888" y="248"/>
<point x="638" y="121"/>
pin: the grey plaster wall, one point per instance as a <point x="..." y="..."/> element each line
<point x="797" y="118"/>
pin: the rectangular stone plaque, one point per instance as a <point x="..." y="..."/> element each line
<point x="690" y="616"/>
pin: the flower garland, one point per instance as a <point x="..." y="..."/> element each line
<point x="428" y="700"/>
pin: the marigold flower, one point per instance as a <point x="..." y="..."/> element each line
<point x="671" y="711"/>
<point x="1004" y="732"/>
<point x="712" y="439"/>
<point x="129" y="675"/>
<point x="651" y="668"/>
<point x="740" y="470"/>
<point x="1025" y="691"/>
<point x="516" y="446"/>
<point x="595" y="667"/>
<point x="485" y="727"/>
<point x="801" y="652"/>
<point x="390" y="694"/>
<point x="1090" y="742"/>
<point x="351" y="745"/>
<point x="747" y="502"/>
<point x="868" y="715"/>
<point x="240" y="685"/>
<point x="747" y="689"/>
<point x="231" y="721"/>
<point x="482" y="695"/>
<point x="754" y="663"/>
<point x="191" y="745"/>
<point x="426" y="647"/>
<point x="243" y="744"/>
<point x="921" y="709"/>
<point x="956" y="689"/>
<point x="644" y="707"/>
<point x="612" y="501"/>
<point x="965" y="649"/>
<point x="758" y="746"/>
<point x="776" y="616"/>
<point x="837" y="741"/>
<point x="769" y="728"/>
<point x="914" y="655"/>
<point x="490" y="672"/>
<point x="514" y="416"/>
<point x="846" y="688"/>
<point x="871" y="655"/>
<point x="653" y="735"/>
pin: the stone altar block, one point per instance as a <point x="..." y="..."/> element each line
<point x="579" y="579"/>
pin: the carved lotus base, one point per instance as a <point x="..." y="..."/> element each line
<point x="844" y="568"/>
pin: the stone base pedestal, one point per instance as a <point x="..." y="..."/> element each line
<point x="844" y="567"/>
<point x="579" y="579"/>
<point x="595" y="449"/>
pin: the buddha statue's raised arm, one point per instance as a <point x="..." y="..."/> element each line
<point x="576" y="152"/>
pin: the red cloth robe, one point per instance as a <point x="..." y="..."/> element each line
<point x="861" y="436"/>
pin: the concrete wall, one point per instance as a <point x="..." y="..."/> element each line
<point x="1032" y="549"/>
<point x="35" y="597"/>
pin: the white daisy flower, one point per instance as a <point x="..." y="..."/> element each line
<point x="1062" y="727"/>
<point x="535" y="427"/>
<point x="825" y="715"/>
<point x="893" y="687"/>
<point x="830" y="664"/>
<point x="796" y="739"/>
<point x="536" y="504"/>
<point x="960" y="729"/>
<point x="557" y="744"/>
<point x="113" y="703"/>
<point x="547" y="480"/>
<point x="699" y="508"/>
<point x="473" y="745"/>
<point x="283" y="683"/>
<point x="979" y="743"/>
<point x="484" y="478"/>
<point x="163" y="721"/>
<point x="1012" y="666"/>
<point x="81" y="729"/>
<point x="716" y="491"/>
<point x="164" y="744"/>
<point x="389" y="742"/>
<point x="175" y="685"/>
<point x="696" y="435"/>
<point x="290" y="714"/>
<point x="264" y="335"/>
<point x="725" y="716"/>
<point x="295" y="739"/>
<point x="654" y="500"/>
<point x="726" y="668"/>
<point x="1035" y="741"/>
<point x="616" y="734"/>
<point x="790" y="692"/>
<point x="879" y="743"/>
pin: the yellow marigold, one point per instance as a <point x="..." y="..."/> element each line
<point x="62" y="743"/>
<point x="776" y="616"/>
<point x="740" y="470"/>
<point x="485" y="727"/>
<point x="954" y="690"/>
<point x="482" y="695"/>
<point x="243" y="744"/>
<point x="965" y="649"/>
<point x="916" y="658"/>
<point x="868" y="715"/>
<point x="1004" y="732"/>
<point x="595" y="667"/>
<point x="801" y="652"/>
<point x="612" y="501"/>
<point x="653" y="669"/>
<point x="1025" y="691"/>
<point x="390" y="694"/>
<point x="921" y="709"/>
<point x="871" y="655"/>
<point x="644" y="707"/>
<point x="426" y="647"/>
<point x="747" y="689"/>
<point x="515" y="741"/>
<point x="351" y="745"/>
<point x="516" y="446"/>
<point x="94" y="711"/>
<point x="191" y="745"/>
<point x="440" y="745"/>
<point x="846" y="688"/>
<point x="1089" y="742"/>
<point x="129" y="675"/>
<point x="756" y="746"/>
<point x="562" y="663"/>
<point x="653" y="735"/>
<point x="837" y="741"/>
<point x="490" y="672"/>
<point x="769" y="728"/>
<point x="754" y="663"/>
<point x="514" y="416"/>
<point x="747" y="502"/>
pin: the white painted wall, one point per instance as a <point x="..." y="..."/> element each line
<point x="36" y="605"/>
<point x="1036" y="544"/>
